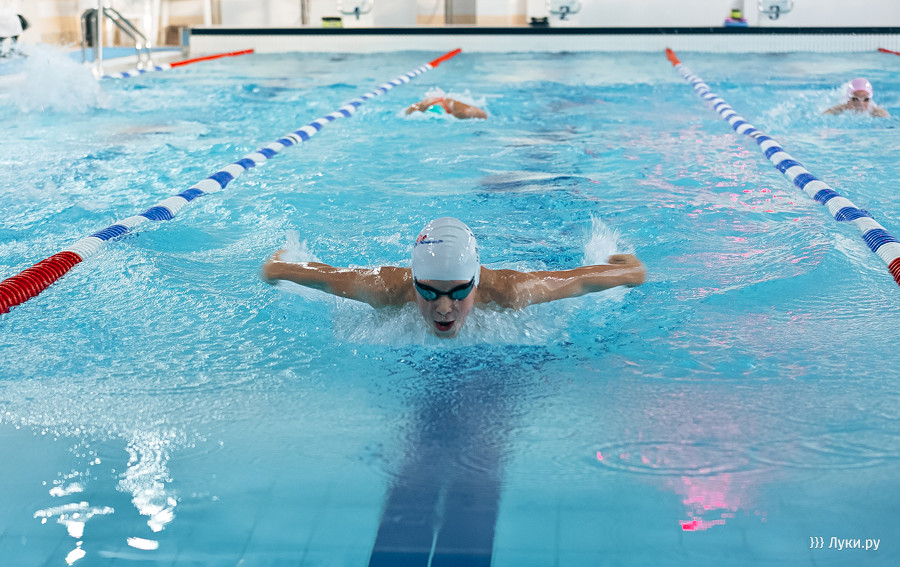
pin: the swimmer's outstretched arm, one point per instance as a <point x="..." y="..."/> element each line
<point x="509" y="288"/>
<point x="378" y="287"/>
<point x="876" y="111"/>
<point x="424" y="105"/>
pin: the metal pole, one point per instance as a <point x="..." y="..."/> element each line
<point x="98" y="41"/>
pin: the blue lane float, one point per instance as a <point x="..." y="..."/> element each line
<point x="876" y="237"/>
<point x="32" y="281"/>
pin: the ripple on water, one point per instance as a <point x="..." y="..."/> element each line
<point x="673" y="458"/>
<point x="832" y="451"/>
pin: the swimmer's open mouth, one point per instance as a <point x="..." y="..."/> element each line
<point x="442" y="326"/>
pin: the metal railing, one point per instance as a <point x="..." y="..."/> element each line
<point x="92" y="36"/>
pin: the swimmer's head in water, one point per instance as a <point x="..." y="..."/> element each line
<point x="445" y="270"/>
<point x="859" y="94"/>
<point x="860" y="84"/>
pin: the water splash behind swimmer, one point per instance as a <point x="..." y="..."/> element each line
<point x="53" y="81"/>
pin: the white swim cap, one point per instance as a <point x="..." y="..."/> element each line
<point x="446" y="250"/>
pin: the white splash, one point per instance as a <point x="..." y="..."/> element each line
<point x="296" y="251"/>
<point x="359" y="323"/>
<point x="51" y="80"/>
<point x="602" y="243"/>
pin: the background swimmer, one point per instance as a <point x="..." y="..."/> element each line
<point x="447" y="280"/>
<point x="859" y="97"/>
<point x="449" y="105"/>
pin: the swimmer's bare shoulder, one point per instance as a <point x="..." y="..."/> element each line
<point x="499" y="287"/>
<point x="391" y="285"/>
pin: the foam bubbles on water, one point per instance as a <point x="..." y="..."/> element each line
<point x="358" y="323"/>
<point x="53" y="81"/>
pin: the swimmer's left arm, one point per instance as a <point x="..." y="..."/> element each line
<point x="463" y="110"/>
<point x="519" y="289"/>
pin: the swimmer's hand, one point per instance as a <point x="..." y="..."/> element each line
<point x="636" y="275"/>
<point x="270" y="268"/>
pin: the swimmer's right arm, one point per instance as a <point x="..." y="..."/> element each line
<point x="424" y="105"/>
<point x="377" y="287"/>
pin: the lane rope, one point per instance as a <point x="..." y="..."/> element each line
<point x="876" y="237"/>
<point x="883" y="50"/>
<point x="32" y="281"/>
<point x="174" y="64"/>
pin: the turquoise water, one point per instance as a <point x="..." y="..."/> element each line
<point x="161" y="405"/>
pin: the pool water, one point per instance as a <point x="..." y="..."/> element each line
<point x="161" y="405"/>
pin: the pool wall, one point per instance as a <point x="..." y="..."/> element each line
<point x="589" y="13"/>
<point x="57" y="21"/>
<point x="524" y="39"/>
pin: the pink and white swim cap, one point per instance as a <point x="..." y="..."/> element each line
<point x="446" y="250"/>
<point x="859" y="84"/>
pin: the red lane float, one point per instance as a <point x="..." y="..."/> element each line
<point x="210" y="57"/>
<point x="32" y="281"/>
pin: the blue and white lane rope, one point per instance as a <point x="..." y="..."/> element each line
<point x="137" y="72"/>
<point x="32" y="281"/>
<point x="879" y="240"/>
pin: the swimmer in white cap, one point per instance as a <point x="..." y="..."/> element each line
<point x="859" y="97"/>
<point x="447" y="280"/>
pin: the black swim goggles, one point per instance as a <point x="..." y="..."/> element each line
<point x="458" y="293"/>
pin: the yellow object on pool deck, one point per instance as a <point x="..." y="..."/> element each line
<point x="332" y="22"/>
